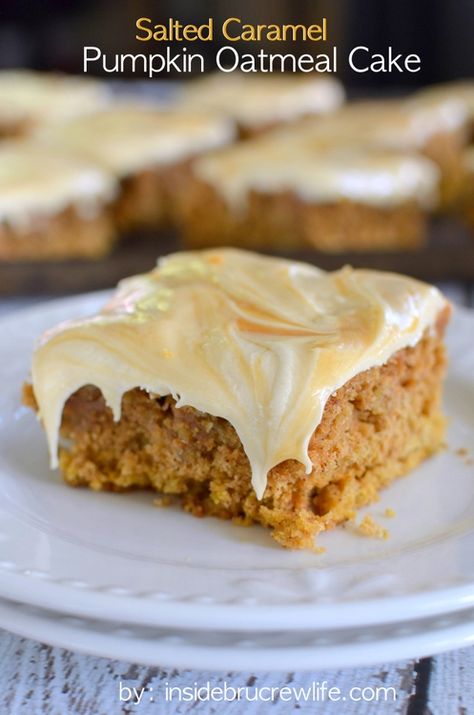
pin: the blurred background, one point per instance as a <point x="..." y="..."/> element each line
<point x="50" y="34"/>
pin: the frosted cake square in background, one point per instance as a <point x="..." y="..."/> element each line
<point x="293" y="189"/>
<point x="53" y="204"/>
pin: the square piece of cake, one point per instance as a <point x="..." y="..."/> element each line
<point x="296" y="189"/>
<point x="249" y="388"/>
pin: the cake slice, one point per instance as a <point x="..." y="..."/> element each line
<point x="291" y="190"/>
<point x="249" y="388"/>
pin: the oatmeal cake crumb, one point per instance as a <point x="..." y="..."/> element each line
<point x="162" y="501"/>
<point x="369" y="527"/>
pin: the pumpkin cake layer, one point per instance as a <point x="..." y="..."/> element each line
<point x="466" y="203"/>
<point x="250" y="387"/>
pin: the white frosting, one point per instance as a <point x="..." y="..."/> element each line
<point x="406" y="124"/>
<point x="261" y="342"/>
<point x="319" y="171"/>
<point x="130" y="137"/>
<point x="428" y="116"/>
<point x="461" y="91"/>
<point x="45" y="98"/>
<point x="37" y="181"/>
<point x="255" y="100"/>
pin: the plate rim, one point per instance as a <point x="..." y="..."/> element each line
<point x="193" y="616"/>
<point x="62" y="632"/>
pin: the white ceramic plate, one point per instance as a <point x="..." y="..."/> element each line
<point x="271" y="651"/>
<point x="117" y="557"/>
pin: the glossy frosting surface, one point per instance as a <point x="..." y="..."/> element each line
<point x="262" y="342"/>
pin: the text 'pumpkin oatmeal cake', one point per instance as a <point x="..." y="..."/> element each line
<point x="252" y="388"/>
